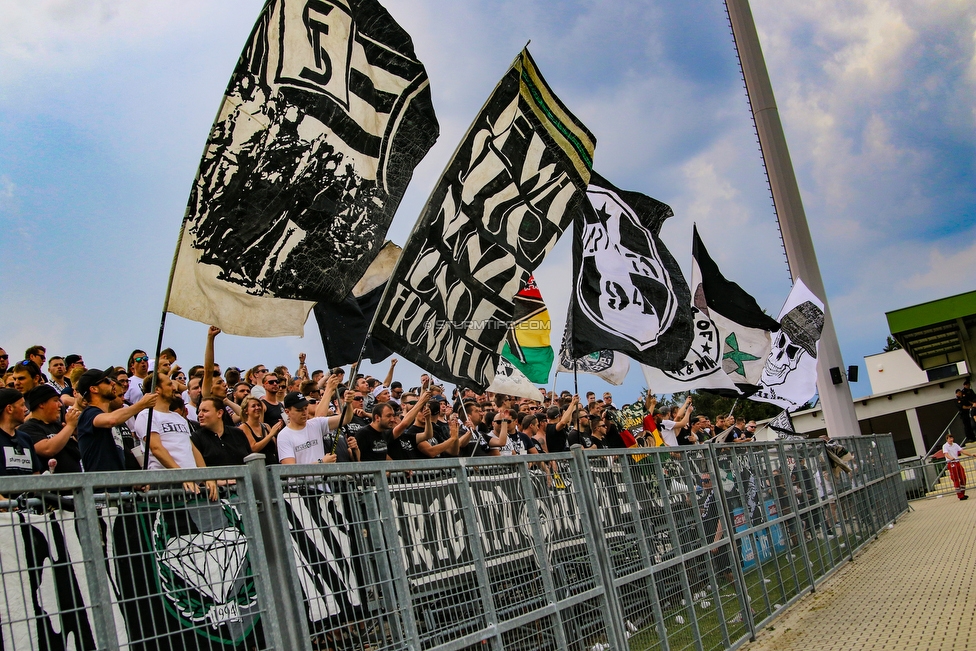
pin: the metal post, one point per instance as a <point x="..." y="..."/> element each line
<point x="727" y="525"/>
<point x="645" y="552"/>
<point x="838" y="406"/>
<point x="541" y="553"/>
<point x="294" y="627"/>
<point x="86" y="515"/>
<point x="798" y="517"/>
<point x="593" y="524"/>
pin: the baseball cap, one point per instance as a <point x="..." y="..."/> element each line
<point x="295" y="399"/>
<point x="90" y="378"/>
<point x="9" y="397"/>
<point x="438" y="398"/>
<point x="39" y="395"/>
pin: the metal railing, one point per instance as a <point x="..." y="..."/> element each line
<point x="671" y="548"/>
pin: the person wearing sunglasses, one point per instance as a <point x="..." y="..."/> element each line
<point x="273" y="410"/>
<point x="4" y="361"/>
<point x="138" y="368"/>
<point x="100" y="440"/>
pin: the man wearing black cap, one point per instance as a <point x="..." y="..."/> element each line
<point x="309" y="440"/>
<point x="100" y="444"/>
<point x="51" y="439"/>
<point x="17" y="456"/>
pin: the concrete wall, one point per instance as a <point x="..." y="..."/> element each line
<point x="893" y="371"/>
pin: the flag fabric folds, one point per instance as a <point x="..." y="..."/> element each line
<point x="732" y="335"/>
<point x="607" y="365"/>
<point x="527" y="345"/>
<point x="629" y="295"/>
<point x="510" y="381"/>
<point x="323" y="121"/>
<point x="344" y="325"/>
<point x="505" y="198"/>
<point x="789" y="376"/>
<point x="782" y="426"/>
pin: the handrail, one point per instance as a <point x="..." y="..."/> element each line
<point x="938" y="440"/>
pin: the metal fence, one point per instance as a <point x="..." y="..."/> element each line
<point x="929" y="477"/>
<point x="677" y="548"/>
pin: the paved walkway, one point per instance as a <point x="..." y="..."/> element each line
<point x="911" y="589"/>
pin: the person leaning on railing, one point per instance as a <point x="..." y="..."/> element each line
<point x="957" y="473"/>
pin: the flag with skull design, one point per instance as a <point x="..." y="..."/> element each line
<point x="629" y="294"/>
<point x="789" y="377"/>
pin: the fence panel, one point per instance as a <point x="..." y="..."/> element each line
<point x="680" y="548"/>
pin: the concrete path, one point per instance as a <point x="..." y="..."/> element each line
<point x="911" y="589"/>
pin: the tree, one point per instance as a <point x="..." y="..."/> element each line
<point x="891" y="344"/>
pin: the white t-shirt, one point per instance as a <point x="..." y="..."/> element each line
<point x="174" y="434"/>
<point x="951" y="451"/>
<point x="667" y="433"/>
<point x="304" y="445"/>
<point x="134" y="393"/>
<point x="258" y="391"/>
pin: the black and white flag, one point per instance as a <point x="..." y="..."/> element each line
<point x="344" y="325"/>
<point x="789" y="376"/>
<point x="606" y="364"/>
<point x="503" y="201"/>
<point x="732" y="335"/>
<point x="629" y="294"/>
<point x="782" y="427"/>
<point x="324" y="119"/>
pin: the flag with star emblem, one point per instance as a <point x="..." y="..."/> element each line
<point x="732" y="335"/>
<point x="629" y="294"/>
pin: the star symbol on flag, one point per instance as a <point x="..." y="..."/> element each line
<point x="737" y="356"/>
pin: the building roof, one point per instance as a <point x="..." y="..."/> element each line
<point x="934" y="330"/>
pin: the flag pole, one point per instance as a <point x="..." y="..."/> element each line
<point x="162" y="328"/>
<point x="342" y="408"/>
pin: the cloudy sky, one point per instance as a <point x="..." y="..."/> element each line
<point x="105" y="106"/>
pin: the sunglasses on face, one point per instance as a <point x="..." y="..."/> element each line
<point x="141" y="358"/>
<point x="410" y="404"/>
<point x="271" y="381"/>
<point x="4" y="356"/>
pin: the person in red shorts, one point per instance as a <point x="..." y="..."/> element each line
<point x="952" y="453"/>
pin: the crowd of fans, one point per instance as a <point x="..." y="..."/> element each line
<point x="72" y="418"/>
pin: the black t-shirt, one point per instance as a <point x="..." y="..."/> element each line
<point x="404" y="446"/>
<point x="582" y="438"/>
<point x="69" y="458"/>
<point x="601" y="444"/>
<point x="272" y="413"/>
<point x="227" y="415"/>
<point x="17" y="456"/>
<point x="529" y="443"/>
<point x="372" y="444"/>
<point x="556" y="439"/>
<point x="227" y="450"/>
<point x="442" y="431"/>
<point x="100" y="450"/>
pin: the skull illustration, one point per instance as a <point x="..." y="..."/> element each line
<point x="799" y="333"/>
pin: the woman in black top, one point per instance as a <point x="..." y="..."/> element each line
<point x="261" y="437"/>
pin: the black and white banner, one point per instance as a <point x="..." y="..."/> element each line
<point x="608" y="365"/>
<point x="789" y="377"/>
<point x="629" y="294"/>
<point x="323" y="121"/>
<point x="503" y="201"/>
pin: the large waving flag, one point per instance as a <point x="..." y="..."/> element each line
<point x="505" y="198"/>
<point x="789" y="376"/>
<point x="527" y="345"/>
<point x="629" y="295"/>
<point x="323" y="121"/>
<point x="732" y="335"/>
<point x="608" y="365"/>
